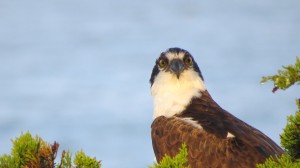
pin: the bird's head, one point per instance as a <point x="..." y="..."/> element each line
<point x="175" y="79"/>
<point x="175" y="61"/>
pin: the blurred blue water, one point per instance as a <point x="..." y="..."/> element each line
<point x="77" y="72"/>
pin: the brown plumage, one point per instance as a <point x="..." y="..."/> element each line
<point x="208" y="147"/>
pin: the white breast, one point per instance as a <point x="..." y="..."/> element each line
<point x="172" y="95"/>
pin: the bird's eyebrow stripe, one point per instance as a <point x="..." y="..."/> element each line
<point x="171" y="55"/>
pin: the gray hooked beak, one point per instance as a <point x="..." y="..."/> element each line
<point x="177" y="67"/>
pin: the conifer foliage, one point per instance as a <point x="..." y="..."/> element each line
<point x="178" y="161"/>
<point x="290" y="138"/>
<point x="34" y="152"/>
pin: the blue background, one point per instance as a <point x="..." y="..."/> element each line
<point x="77" y="72"/>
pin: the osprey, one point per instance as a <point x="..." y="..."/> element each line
<point x="184" y="112"/>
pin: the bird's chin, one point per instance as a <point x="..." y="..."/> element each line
<point x="177" y="75"/>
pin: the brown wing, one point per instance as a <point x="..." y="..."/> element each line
<point x="204" y="148"/>
<point x="219" y="122"/>
<point x="251" y="136"/>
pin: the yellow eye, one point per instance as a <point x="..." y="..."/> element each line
<point x="162" y="63"/>
<point x="188" y="60"/>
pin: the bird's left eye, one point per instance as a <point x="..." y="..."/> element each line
<point x="188" y="60"/>
<point x="162" y="63"/>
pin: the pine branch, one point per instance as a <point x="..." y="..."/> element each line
<point x="34" y="152"/>
<point x="285" y="78"/>
<point x="290" y="138"/>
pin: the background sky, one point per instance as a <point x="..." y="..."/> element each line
<point x="77" y="72"/>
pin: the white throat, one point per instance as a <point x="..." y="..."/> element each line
<point x="172" y="95"/>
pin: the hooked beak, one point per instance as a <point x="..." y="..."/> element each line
<point x="177" y="67"/>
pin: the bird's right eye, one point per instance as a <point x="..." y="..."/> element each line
<point x="162" y="63"/>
